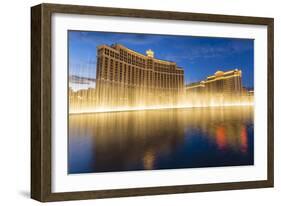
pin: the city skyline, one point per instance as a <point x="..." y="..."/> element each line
<point x="198" y="56"/>
<point x="128" y="80"/>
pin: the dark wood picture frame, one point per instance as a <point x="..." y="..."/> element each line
<point x="41" y="101"/>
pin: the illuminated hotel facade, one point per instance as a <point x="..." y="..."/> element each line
<point x="127" y="78"/>
<point x="227" y="83"/>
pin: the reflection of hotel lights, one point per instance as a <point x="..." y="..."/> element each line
<point x="123" y="109"/>
<point x="221" y="137"/>
<point x="148" y="160"/>
<point x="244" y="140"/>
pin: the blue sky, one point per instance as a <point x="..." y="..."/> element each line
<point x="198" y="56"/>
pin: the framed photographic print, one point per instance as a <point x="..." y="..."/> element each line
<point x="130" y="102"/>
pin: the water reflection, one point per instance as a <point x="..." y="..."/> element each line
<point x="161" y="139"/>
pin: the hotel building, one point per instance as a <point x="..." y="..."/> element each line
<point x="227" y="83"/>
<point x="127" y="78"/>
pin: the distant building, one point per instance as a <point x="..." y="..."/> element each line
<point x="226" y="83"/>
<point x="126" y="77"/>
<point x="250" y="93"/>
<point x="195" y="88"/>
<point x="82" y="97"/>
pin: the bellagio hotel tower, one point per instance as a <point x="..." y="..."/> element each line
<point x="127" y="78"/>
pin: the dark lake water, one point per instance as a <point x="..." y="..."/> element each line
<point x="161" y="139"/>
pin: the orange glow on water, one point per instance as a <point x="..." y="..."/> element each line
<point x="146" y="138"/>
<point x="221" y="137"/>
<point x="244" y="140"/>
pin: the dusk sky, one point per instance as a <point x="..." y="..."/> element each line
<point x="198" y="56"/>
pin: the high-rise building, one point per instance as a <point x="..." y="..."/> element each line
<point x="128" y="78"/>
<point x="227" y="83"/>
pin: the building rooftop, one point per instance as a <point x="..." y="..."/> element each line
<point x="220" y="73"/>
<point x="149" y="52"/>
<point x="195" y="84"/>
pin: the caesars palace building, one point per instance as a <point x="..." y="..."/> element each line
<point x="227" y="83"/>
<point x="127" y="78"/>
